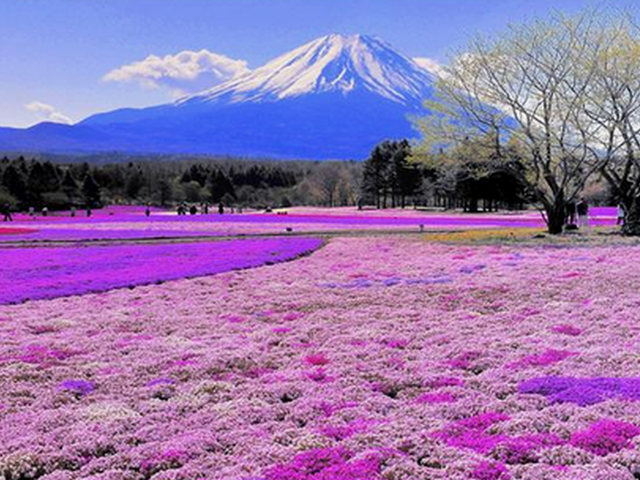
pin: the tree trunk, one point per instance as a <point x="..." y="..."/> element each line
<point x="631" y="226"/>
<point x="556" y="216"/>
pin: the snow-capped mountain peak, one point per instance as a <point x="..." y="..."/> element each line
<point x="333" y="98"/>
<point x="330" y="64"/>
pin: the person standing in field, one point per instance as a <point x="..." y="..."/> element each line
<point x="571" y="213"/>
<point x="45" y="211"/>
<point x="32" y="213"/>
<point x="582" y="209"/>
<point x="621" y="214"/>
<point x="73" y="211"/>
<point x="6" y="211"/>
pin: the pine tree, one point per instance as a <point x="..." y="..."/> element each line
<point x="13" y="180"/>
<point x="69" y="186"/>
<point x="91" y="191"/>
<point x="220" y="186"/>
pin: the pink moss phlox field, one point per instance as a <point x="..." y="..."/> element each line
<point x="268" y="374"/>
<point x="129" y="222"/>
<point x="38" y="273"/>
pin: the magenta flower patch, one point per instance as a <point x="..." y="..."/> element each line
<point x="524" y="449"/>
<point x="439" y="382"/>
<point x="438" y="397"/>
<point x="548" y="357"/>
<point x="46" y="356"/>
<point x="316" y="359"/>
<point x="326" y="464"/>
<point x="471" y="433"/>
<point x="490" y="471"/>
<point x="465" y="360"/>
<point x="605" y="437"/>
<point x="566" y="329"/>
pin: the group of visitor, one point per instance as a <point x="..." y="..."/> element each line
<point x="31" y="211"/>
<point x="577" y="214"/>
<point x="183" y="209"/>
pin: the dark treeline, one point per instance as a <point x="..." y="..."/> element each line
<point x="392" y="176"/>
<point x="58" y="185"/>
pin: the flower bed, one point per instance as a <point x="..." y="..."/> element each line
<point x="38" y="273"/>
<point x="16" y="231"/>
<point x="353" y="363"/>
<point x="117" y="223"/>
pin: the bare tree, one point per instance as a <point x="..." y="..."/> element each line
<point x="327" y="178"/>
<point x="614" y="104"/>
<point x="528" y="87"/>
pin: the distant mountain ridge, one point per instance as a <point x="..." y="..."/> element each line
<point x="334" y="97"/>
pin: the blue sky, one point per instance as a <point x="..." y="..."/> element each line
<point x="55" y="54"/>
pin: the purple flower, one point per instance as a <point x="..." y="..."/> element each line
<point x="77" y="387"/>
<point x="582" y="391"/>
<point x="44" y="272"/>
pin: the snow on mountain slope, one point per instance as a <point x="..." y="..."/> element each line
<point x="333" y="98"/>
<point x="334" y="63"/>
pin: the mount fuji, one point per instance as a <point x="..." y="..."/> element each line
<point x="332" y="98"/>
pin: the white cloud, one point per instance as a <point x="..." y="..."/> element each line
<point x="430" y="65"/>
<point x="46" y="112"/>
<point x="183" y="73"/>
